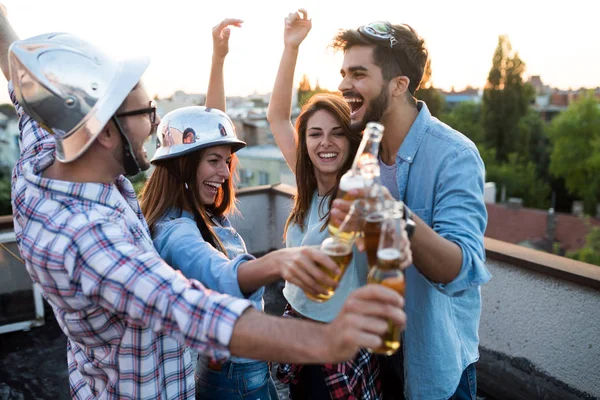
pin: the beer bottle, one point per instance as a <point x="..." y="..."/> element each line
<point x="339" y="248"/>
<point x="387" y="272"/>
<point x="377" y="208"/>
<point x="364" y="168"/>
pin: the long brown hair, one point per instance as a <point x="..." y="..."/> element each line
<point x="306" y="181"/>
<point x="166" y="189"/>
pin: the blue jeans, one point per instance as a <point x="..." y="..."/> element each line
<point x="234" y="381"/>
<point x="467" y="387"/>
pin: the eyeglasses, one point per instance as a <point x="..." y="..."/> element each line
<point x="150" y="110"/>
<point x="383" y="33"/>
<point x="379" y="31"/>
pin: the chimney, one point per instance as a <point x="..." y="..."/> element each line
<point x="514" y="203"/>
<point x="551" y="226"/>
<point x="577" y="208"/>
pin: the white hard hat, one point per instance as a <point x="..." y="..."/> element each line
<point x="70" y="87"/>
<point x="189" y="129"/>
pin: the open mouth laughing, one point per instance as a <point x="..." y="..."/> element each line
<point x="355" y="101"/>
<point x="213" y="187"/>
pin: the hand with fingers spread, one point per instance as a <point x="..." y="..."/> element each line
<point x="297" y="26"/>
<point x="363" y="320"/>
<point x="306" y="267"/>
<point x="220" y="34"/>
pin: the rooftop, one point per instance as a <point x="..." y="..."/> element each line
<point x="538" y="334"/>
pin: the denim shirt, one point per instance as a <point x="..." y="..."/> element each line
<point x="440" y="177"/>
<point x="179" y="242"/>
<point x="354" y="277"/>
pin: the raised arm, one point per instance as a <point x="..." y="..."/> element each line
<point x="215" y="94"/>
<point x="7" y="36"/>
<point x="297" y="26"/>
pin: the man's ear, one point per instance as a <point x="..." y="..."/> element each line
<point x="108" y="137"/>
<point x="399" y="86"/>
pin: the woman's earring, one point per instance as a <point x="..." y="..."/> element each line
<point x="186" y="186"/>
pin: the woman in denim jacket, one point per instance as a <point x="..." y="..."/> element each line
<point x="186" y="202"/>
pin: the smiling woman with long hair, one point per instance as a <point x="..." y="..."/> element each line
<point x="186" y="202"/>
<point x="319" y="149"/>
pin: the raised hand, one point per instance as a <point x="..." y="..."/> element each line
<point x="297" y="26"/>
<point x="220" y="35"/>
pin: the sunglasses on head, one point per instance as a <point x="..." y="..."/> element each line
<point x="382" y="33"/>
<point x="379" y="31"/>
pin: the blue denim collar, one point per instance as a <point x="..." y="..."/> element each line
<point x="415" y="135"/>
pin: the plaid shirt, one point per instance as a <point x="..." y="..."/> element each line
<point x="125" y="312"/>
<point x="353" y="380"/>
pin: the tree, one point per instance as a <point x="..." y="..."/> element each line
<point x="518" y="176"/>
<point x="5" y="206"/>
<point x="506" y="100"/>
<point x="466" y="118"/>
<point x="532" y="143"/>
<point x="8" y="110"/>
<point x="138" y="181"/>
<point x="430" y="95"/>
<point x="575" y="156"/>
<point x="590" y="252"/>
<point x="305" y="90"/>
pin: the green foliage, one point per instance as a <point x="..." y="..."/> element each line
<point x="466" y="118"/>
<point x="431" y="96"/>
<point x="506" y="100"/>
<point x="305" y="91"/>
<point x="138" y="182"/>
<point x="590" y="253"/>
<point x="532" y="142"/>
<point x="575" y="135"/>
<point x="7" y="109"/>
<point x="5" y="207"/>
<point x="518" y="176"/>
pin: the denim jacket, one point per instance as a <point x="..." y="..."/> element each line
<point x="440" y="176"/>
<point x="179" y="242"/>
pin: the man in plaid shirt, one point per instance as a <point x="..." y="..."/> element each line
<point x="79" y="227"/>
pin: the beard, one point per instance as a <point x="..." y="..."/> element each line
<point x="374" y="113"/>
<point x="142" y="158"/>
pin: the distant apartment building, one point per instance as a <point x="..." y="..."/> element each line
<point x="469" y="94"/>
<point x="179" y="99"/>
<point x="549" y="102"/>
<point x="263" y="165"/>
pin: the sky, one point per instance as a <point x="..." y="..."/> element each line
<point x="557" y="40"/>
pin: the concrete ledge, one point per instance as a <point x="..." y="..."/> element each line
<point x="6" y="222"/>
<point x="546" y="263"/>
<point x="516" y="378"/>
<point x="278" y="188"/>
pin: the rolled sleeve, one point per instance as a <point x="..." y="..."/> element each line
<point x="459" y="215"/>
<point x="141" y="288"/>
<point x="180" y="243"/>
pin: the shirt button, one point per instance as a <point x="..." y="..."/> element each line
<point x="409" y="158"/>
